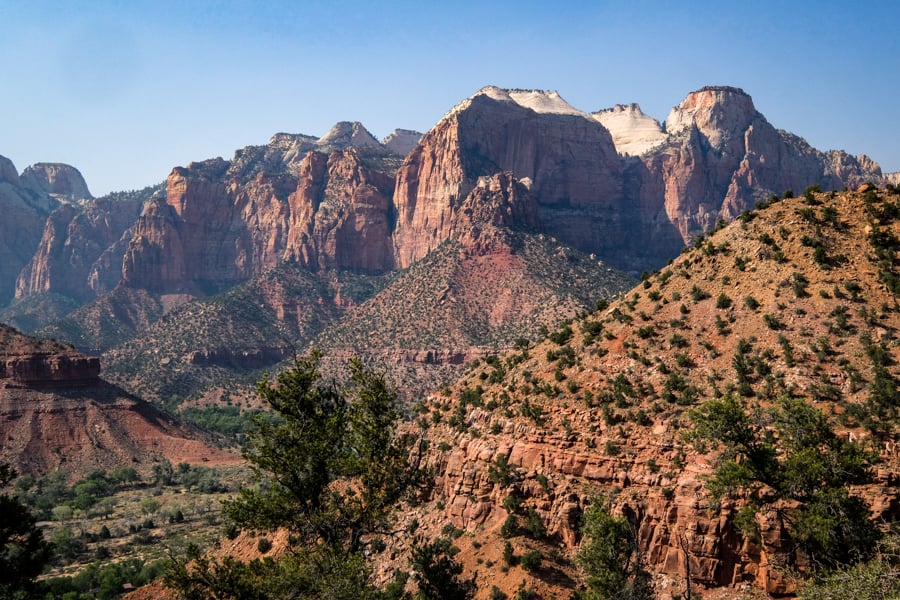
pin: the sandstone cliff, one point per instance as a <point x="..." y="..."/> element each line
<point x="28" y="362"/>
<point x="80" y="252"/>
<point x="223" y="222"/>
<point x="24" y="211"/>
<point x="615" y="183"/>
<point x="575" y="175"/>
<point x="721" y="157"/>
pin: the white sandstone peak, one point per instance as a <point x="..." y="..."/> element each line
<point x="540" y="101"/>
<point x="402" y="141"/>
<point x="345" y="134"/>
<point x="633" y="132"/>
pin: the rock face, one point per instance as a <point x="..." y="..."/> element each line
<point x="24" y="212"/>
<point x="63" y="182"/>
<point x="721" y="157"/>
<point x="80" y="252"/>
<point x="223" y="222"/>
<point x="402" y="141"/>
<point x="633" y="132"/>
<point x="27" y="362"/>
<point x="340" y="214"/>
<point x="575" y="175"/>
<point x="56" y="412"/>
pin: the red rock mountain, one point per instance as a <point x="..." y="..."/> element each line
<point x="720" y="157"/>
<point x="568" y="161"/>
<point x="56" y="412"/>
<point x="615" y="183"/>
<point x="24" y="212"/>
<point x="222" y="222"/>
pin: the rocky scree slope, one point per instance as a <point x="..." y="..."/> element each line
<point x="223" y="343"/>
<point x="799" y="298"/>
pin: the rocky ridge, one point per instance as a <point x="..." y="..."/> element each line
<point x="803" y="288"/>
<point x="520" y="160"/>
<point x="222" y="222"/>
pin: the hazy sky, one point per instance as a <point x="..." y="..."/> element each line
<point x="125" y="90"/>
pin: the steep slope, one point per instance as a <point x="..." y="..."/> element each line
<point x="798" y="298"/>
<point x="117" y="316"/>
<point x="56" y="412"/>
<point x="211" y="342"/>
<point x="24" y="211"/>
<point x="460" y="303"/>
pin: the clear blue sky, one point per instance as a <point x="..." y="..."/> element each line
<point x="125" y="90"/>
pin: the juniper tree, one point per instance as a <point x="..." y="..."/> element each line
<point x="330" y="469"/>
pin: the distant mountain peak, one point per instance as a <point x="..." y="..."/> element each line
<point x="348" y="133"/>
<point x="8" y="173"/>
<point x="716" y="111"/>
<point x="61" y="181"/>
<point x="540" y="101"/>
<point x="633" y="131"/>
<point x="402" y="141"/>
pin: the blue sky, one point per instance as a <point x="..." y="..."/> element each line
<point x="125" y="90"/>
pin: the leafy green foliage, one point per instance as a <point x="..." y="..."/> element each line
<point x="330" y="470"/>
<point x="811" y="466"/>
<point x="23" y="551"/>
<point x="104" y="580"/>
<point x="874" y="580"/>
<point x="437" y="573"/>
<point x="609" y="557"/>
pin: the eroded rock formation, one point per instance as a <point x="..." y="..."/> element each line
<point x="57" y="180"/>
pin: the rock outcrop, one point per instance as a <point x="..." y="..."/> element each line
<point x="24" y="212"/>
<point x="60" y="181"/>
<point x="569" y="158"/>
<point x="633" y="132"/>
<point x="402" y="141"/>
<point x="80" y="253"/>
<point x="27" y="362"/>
<point x="340" y="214"/>
<point x="222" y="222"/>
<point x="55" y="412"/>
<point x="722" y="157"/>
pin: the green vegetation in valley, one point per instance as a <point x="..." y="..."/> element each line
<point x="332" y="471"/>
